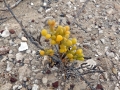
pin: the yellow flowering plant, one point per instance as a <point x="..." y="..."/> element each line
<point x="59" y="37"/>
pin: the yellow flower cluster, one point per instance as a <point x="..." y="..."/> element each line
<point x="60" y="36"/>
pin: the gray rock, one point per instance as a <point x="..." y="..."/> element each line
<point x="110" y="54"/>
<point x="40" y="10"/>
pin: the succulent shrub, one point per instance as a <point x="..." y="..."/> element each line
<point x="62" y="45"/>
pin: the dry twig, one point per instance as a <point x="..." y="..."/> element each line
<point x="75" y="21"/>
<point x="12" y="6"/>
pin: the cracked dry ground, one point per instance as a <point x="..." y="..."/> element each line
<point x="97" y="29"/>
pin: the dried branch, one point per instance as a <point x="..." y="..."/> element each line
<point x="75" y="21"/>
<point x="12" y="6"/>
<point x="81" y="10"/>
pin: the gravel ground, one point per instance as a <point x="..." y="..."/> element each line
<point x="96" y="26"/>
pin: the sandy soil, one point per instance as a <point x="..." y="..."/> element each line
<point x="97" y="28"/>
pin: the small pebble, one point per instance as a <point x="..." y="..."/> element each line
<point x="24" y="39"/>
<point x="12" y="31"/>
<point x="5" y="33"/>
<point x="82" y="1"/>
<point x="35" y="87"/>
<point x="31" y="3"/>
<point x="23" y="46"/>
<point x="44" y="80"/>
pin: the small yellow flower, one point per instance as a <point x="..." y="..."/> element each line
<point x="74" y="41"/>
<point x="51" y="23"/>
<point x="42" y="52"/>
<point x="44" y="32"/>
<point x="48" y="36"/>
<point x="79" y="51"/>
<point x="59" y="38"/>
<point x="67" y="28"/>
<point x="52" y="42"/>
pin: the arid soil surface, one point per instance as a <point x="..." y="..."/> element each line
<point x="95" y="24"/>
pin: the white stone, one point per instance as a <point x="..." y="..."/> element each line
<point x="33" y="52"/>
<point x="28" y="51"/>
<point x="19" y="87"/>
<point x="116" y="88"/>
<point x="119" y="74"/>
<point x="24" y="39"/>
<point x="100" y="31"/>
<point x="54" y="68"/>
<point x="117" y="57"/>
<point x="106" y="76"/>
<point x="106" y="48"/>
<point x="102" y="40"/>
<point x="118" y="20"/>
<point x="5" y="33"/>
<point x="23" y="46"/>
<point x="19" y="56"/>
<point x="75" y="8"/>
<point x="99" y="53"/>
<point x="32" y="4"/>
<point x="44" y="4"/>
<point x="35" y="87"/>
<point x="44" y="60"/>
<point x="9" y="66"/>
<point x="48" y="10"/>
<point x="91" y="62"/>
<point x="15" y="87"/>
<point x="24" y="79"/>
<point x="44" y="80"/>
<point x="82" y="1"/>
<point x="11" y="42"/>
<point x="110" y="54"/>
<point x="110" y="11"/>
